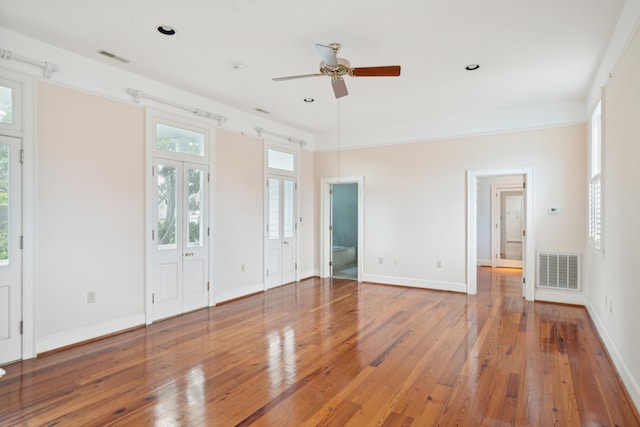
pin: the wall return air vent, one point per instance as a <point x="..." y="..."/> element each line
<point x="559" y="271"/>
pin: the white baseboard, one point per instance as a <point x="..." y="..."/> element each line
<point x="74" y="336"/>
<point x="633" y="388"/>
<point x="416" y="283"/>
<point x="567" y="297"/>
<point x="484" y="263"/>
<point x="226" y="295"/>
<point x="308" y="273"/>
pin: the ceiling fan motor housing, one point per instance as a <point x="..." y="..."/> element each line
<point x="343" y="68"/>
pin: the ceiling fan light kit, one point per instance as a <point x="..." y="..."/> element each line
<point x="335" y="68"/>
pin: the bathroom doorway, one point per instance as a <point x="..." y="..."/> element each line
<point x="342" y="225"/>
<point x="344" y="230"/>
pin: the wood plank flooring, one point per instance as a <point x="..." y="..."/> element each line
<point x="335" y="353"/>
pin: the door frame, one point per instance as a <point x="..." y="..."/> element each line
<point x="325" y="222"/>
<point x="496" y="211"/>
<point x="294" y="150"/>
<point x="281" y="180"/>
<point x="528" y="265"/>
<point x="26" y="132"/>
<point x="152" y="116"/>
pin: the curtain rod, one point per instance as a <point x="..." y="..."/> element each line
<point x="48" y="68"/>
<point x="261" y="131"/>
<point x="137" y="94"/>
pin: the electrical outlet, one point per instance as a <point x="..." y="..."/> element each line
<point x="439" y="264"/>
<point x="380" y="260"/>
<point x="91" y="297"/>
<point x="241" y="268"/>
<point x="396" y="261"/>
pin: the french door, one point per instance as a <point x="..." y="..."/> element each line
<point x="281" y="242"/>
<point x="10" y="250"/>
<point x="179" y="238"/>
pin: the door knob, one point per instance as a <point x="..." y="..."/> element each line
<point x="188" y="254"/>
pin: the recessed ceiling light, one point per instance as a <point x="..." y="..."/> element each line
<point x="472" y="67"/>
<point x="309" y="100"/>
<point x="166" y="30"/>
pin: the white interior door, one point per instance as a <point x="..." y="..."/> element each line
<point x="10" y="250"/>
<point x="508" y="228"/>
<point x="180" y="238"/>
<point x="281" y="231"/>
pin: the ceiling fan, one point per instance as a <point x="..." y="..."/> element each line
<point x="335" y="68"/>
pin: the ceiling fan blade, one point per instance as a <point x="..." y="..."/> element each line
<point x="339" y="87"/>
<point x="279" y="79"/>
<point x="388" y="71"/>
<point x="328" y="55"/>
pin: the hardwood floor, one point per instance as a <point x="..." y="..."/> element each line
<point x="332" y="352"/>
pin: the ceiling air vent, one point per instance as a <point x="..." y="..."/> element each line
<point x="113" y="56"/>
<point x="559" y="271"/>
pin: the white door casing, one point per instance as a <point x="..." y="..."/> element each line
<point x="472" y="228"/>
<point x="10" y="250"/>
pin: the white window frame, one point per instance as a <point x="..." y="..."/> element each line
<point x="156" y="117"/>
<point x="595" y="187"/>
<point x="270" y="145"/>
<point x="16" y="88"/>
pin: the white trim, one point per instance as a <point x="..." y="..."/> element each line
<point x="238" y="292"/>
<point x="472" y="227"/>
<point x="74" y="336"/>
<point x="437" y="285"/>
<point x="561" y="297"/>
<point x="484" y="263"/>
<point x="325" y="215"/>
<point x="633" y="388"/>
<point x="307" y="274"/>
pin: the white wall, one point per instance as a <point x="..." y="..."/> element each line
<point x="415" y="199"/>
<point x="306" y="195"/>
<point x="238" y="230"/>
<point x="90" y="215"/>
<point x="612" y="275"/>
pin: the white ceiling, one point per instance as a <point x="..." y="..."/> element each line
<point x="531" y="52"/>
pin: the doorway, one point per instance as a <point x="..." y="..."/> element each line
<point x="281" y="243"/>
<point x="179" y="213"/>
<point x="474" y="230"/>
<point x="342" y="225"/>
<point x="180" y="249"/>
<point x="344" y="230"/>
<point x="507" y="225"/>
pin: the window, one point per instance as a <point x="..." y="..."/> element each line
<point x="178" y="140"/>
<point x="6" y="104"/>
<point x="595" y="178"/>
<point x="282" y="160"/>
<point x="10" y="105"/>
